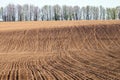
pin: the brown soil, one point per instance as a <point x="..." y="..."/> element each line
<point x="60" y="50"/>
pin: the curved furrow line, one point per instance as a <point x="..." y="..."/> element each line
<point x="47" y="69"/>
<point x="99" y="71"/>
<point x="59" y="75"/>
<point x="103" y="69"/>
<point x="45" y="73"/>
<point x="99" y="68"/>
<point x="36" y="71"/>
<point x="2" y="66"/>
<point x="102" y="75"/>
<point x="16" y="70"/>
<point x="103" y="39"/>
<point x="29" y="45"/>
<point x="9" y="71"/>
<point x="80" y="58"/>
<point x="37" y="41"/>
<point x="28" y="72"/>
<point x="17" y="75"/>
<point x="22" y="74"/>
<point x="93" y="57"/>
<point x="111" y="40"/>
<point x="80" y="54"/>
<point x="19" y="42"/>
<point x="23" y="40"/>
<point x="12" y="72"/>
<point x="102" y="57"/>
<point x="113" y="55"/>
<point x="33" y="73"/>
<point x="10" y="42"/>
<point x="41" y="76"/>
<point x="72" y="40"/>
<point x="91" y="40"/>
<point x="62" y="67"/>
<point x="53" y="73"/>
<point x="4" y="73"/>
<point x="39" y="69"/>
<point x="76" y="67"/>
<point x="85" y="39"/>
<point x="95" y="40"/>
<point x="98" y="37"/>
<point x="22" y="70"/>
<point x="115" y="36"/>
<point x="3" y="41"/>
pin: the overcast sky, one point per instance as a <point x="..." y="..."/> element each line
<point x="40" y="3"/>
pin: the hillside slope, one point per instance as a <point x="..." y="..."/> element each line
<point x="68" y="50"/>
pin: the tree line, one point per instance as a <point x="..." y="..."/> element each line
<point x="33" y="13"/>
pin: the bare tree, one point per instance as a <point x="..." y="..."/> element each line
<point x="57" y="12"/>
<point x="65" y="12"/>
<point x="45" y="12"/>
<point x="76" y="12"/>
<point x="113" y="13"/>
<point x="50" y="12"/>
<point x="95" y="13"/>
<point x="1" y="12"/>
<point x="88" y="13"/>
<point x="36" y="13"/>
<point x="71" y="12"/>
<point x="101" y="13"/>
<point x="10" y="12"/>
<point x="19" y="13"/>
<point x="30" y="12"/>
<point x="83" y="13"/>
<point x="118" y="12"/>
<point x="26" y="12"/>
<point x="108" y="14"/>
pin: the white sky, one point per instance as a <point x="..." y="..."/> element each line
<point x="40" y="3"/>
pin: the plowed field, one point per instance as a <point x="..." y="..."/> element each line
<point x="60" y="50"/>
